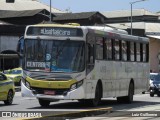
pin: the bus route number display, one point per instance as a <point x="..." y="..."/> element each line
<point x="55" y="31"/>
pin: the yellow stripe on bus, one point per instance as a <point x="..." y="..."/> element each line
<point x="51" y="84"/>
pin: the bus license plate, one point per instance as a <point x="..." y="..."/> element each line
<point x="48" y="92"/>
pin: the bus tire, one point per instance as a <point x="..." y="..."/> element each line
<point x="9" y="98"/>
<point x="129" y="98"/>
<point x="82" y="100"/>
<point x="120" y="99"/>
<point x="151" y="94"/>
<point x="44" y="103"/>
<point x="98" y="95"/>
<point x="143" y="92"/>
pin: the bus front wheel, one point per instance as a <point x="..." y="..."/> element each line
<point x="98" y="95"/>
<point x="44" y="103"/>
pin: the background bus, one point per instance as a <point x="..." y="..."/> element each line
<point x="83" y="63"/>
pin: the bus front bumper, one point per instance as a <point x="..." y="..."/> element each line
<point x="74" y="94"/>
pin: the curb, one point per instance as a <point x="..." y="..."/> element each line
<point x="74" y="115"/>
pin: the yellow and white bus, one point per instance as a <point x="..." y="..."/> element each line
<point x="84" y="63"/>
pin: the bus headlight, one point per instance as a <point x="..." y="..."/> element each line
<point x="76" y="85"/>
<point x="27" y="85"/>
<point x="25" y="74"/>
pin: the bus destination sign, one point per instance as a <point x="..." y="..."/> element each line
<point x="55" y="31"/>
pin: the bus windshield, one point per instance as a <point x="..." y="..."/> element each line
<point x="54" y="55"/>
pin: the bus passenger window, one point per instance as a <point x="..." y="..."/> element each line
<point x="132" y="51"/>
<point x="147" y="52"/>
<point x="138" y="51"/>
<point x="141" y="52"/>
<point x="90" y="53"/>
<point x="144" y="52"/>
<point x="108" y="49"/>
<point x="124" y="50"/>
<point x="113" y="50"/>
<point x="128" y="51"/>
<point x="90" y="48"/>
<point x="117" y="49"/>
<point x="99" y="48"/>
<point x="135" y="52"/>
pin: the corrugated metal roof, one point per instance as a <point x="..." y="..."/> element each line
<point x="135" y="25"/>
<point x="153" y="30"/>
<point x="25" y="13"/>
<point x="74" y="16"/>
<point x="148" y="27"/>
<point x="20" y="5"/>
<point x="152" y="27"/>
<point x="153" y="36"/>
<point x="126" y="13"/>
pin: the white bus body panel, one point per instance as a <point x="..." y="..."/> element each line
<point x="116" y="77"/>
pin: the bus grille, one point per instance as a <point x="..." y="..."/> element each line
<point x="49" y="76"/>
<point x="57" y="91"/>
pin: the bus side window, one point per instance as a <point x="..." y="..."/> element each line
<point x="138" y="52"/>
<point x="128" y="51"/>
<point x="108" y="49"/>
<point x="117" y="49"/>
<point x="144" y="53"/>
<point x="135" y="52"/>
<point x="124" y="50"/>
<point x="141" y="52"/>
<point x="113" y="49"/>
<point x="90" y="57"/>
<point x="132" y="51"/>
<point x="99" y="48"/>
<point x="90" y="53"/>
<point x="147" y="52"/>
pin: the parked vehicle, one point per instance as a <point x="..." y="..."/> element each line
<point x="7" y="89"/>
<point x="154" y="84"/>
<point x="15" y="75"/>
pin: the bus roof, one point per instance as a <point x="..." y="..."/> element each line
<point x="110" y="32"/>
<point x="54" y="25"/>
<point x="103" y="30"/>
<point x="74" y="25"/>
<point x="107" y="29"/>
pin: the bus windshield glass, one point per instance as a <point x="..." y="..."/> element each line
<point x="54" y="55"/>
